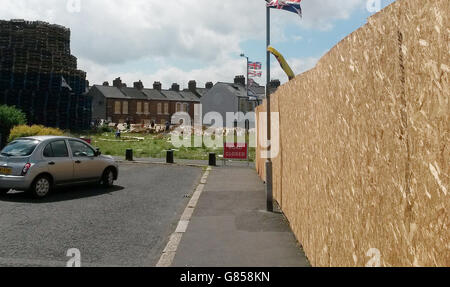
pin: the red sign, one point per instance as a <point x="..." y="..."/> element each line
<point x="235" y="151"/>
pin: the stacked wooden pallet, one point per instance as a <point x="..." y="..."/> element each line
<point x="39" y="75"/>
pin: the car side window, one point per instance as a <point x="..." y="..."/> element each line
<point x="80" y="149"/>
<point x="48" y="152"/>
<point x="59" y="149"/>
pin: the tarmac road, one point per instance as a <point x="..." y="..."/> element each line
<point x="127" y="225"/>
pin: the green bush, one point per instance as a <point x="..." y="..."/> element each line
<point x="105" y="129"/>
<point x="35" y="130"/>
<point x="9" y="117"/>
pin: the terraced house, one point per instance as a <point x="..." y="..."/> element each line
<point x="138" y="105"/>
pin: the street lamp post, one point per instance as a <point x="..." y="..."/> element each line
<point x="247" y="99"/>
<point x="243" y="55"/>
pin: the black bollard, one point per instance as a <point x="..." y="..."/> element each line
<point x="169" y="156"/>
<point x="212" y="159"/>
<point x="129" y="155"/>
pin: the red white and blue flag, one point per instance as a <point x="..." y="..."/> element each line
<point x="255" y="74"/>
<point x="288" y="5"/>
<point x="254" y="65"/>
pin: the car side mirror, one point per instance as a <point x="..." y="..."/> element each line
<point x="98" y="152"/>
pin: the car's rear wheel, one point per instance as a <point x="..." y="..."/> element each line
<point x="41" y="187"/>
<point x="108" y="178"/>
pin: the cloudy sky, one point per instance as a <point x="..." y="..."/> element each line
<point x="180" y="40"/>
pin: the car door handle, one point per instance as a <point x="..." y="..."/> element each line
<point x="51" y="163"/>
<point x="78" y="161"/>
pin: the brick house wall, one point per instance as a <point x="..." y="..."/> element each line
<point x="139" y="118"/>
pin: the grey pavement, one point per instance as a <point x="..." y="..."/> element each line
<point x="127" y="225"/>
<point x="230" y="227"/>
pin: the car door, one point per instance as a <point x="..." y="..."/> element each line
<point x="85" y="163"/>
<point x="60" y="164"/>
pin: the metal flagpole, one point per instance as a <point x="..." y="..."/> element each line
<point x="247" y="76"/>
<point x="247" y="79"/>
<point x="247" y="99"/>
<point x="245" y="123"/>
<point x="269" y="188"/>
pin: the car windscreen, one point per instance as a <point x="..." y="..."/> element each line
<point x="22" y="147"/>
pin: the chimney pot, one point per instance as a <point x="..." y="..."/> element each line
<point x="106" y="84"/>
<point x="239" y="80"/>
<point x="175" y="87"/>
<point x="157" y="86"/>
<point x="138" y="85"/>
<point x="274" y="84"/>
<point x="209" y="85"/>
<point x="117" y="83"/>
<point x="192" y="86"/>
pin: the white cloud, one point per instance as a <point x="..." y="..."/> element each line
<point x="110" y="33"/>
<point x="224" y="73"/>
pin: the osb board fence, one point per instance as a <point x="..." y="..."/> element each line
<point x="363" y="173"/>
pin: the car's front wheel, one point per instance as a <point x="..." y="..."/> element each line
<point x="41" y="187"/>
<point x="108" y="178"/>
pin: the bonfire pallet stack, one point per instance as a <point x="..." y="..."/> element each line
<point x="35" y="61"/>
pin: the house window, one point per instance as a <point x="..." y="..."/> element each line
<point x="166" y="108"/>
<point x="117" y="108"/>
<point x="139" y="108"/>
<point x="125" y="108"/>
<point x="185" y="108"/>
<point x="146" y="110"/>
<point x="159" y="108"/>
<point x="178" y="109"/>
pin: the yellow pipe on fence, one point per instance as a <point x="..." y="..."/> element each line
<point x="284" y="65"/>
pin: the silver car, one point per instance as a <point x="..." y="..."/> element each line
<point x="38" y="164"/>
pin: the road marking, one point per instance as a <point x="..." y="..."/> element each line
<point x="160" y="163"/>
<point x="170" y="251"/>
<point x="17" y="262"/>
<point x="187" y="214"/>
<point x="182" y="226"/>
<point x="174" y="241"/>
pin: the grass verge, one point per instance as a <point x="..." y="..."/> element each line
<point x="150" y="146"/>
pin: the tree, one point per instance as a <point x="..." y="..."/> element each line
<point x="9" y="118"/>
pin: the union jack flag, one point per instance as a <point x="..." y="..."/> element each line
<point x="254" y="65"/>
<point x="255" y="74"/>
<point x="288" y="5"/>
